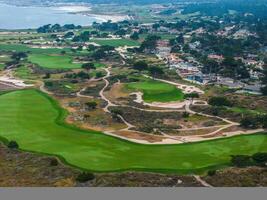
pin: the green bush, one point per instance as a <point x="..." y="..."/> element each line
<point x="211" y="172"/>
<point x="219" y="101"/>
<point x="13" y="145"/>
<point x="84" y="177"/>
<point x="259" y="157"/>
<point x="53" y="162"/>
<point x="241" y="160"/>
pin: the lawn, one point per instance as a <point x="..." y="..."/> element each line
<point x="116" y="42"/>
<point x="155" y="91"/>
<point x="53" y="61"/>
<point x="35" y="121"/>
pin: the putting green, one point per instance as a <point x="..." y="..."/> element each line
<point x="54" y="61"/>
<point x="35" y="122"/>
<point x="156" y="91"/>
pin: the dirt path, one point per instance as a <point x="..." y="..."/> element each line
<point x="167" y="139"/>
<point x="101" y="93"/>
<point x="203" y="182"/>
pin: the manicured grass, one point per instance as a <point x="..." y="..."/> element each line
<point x="155" y="91"/>
<point x="35" y="122"/>
<point x="116" y="42"/>
<point x="53" y="61"/>
<point x="24" y="48"/>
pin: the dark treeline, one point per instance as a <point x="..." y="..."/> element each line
<point x="256" y="7"/>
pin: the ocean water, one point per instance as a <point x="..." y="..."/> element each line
<point x="13" y="17"/>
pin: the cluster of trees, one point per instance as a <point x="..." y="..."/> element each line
<point x="88" y="66"/>
<point x="49" y="28"/>
<point x="219" y="101"/>
<point x="102" y="52"/>
<point x="83" y="37"/>
<point x="81" y="75"/>
<point x="106" y="26"/>
<point x="254" y="121"/>
<point x="91" y="105"/>
<point x="258" y="159"/>
<point x="16" y="57"/>
<point x="219" y="8"/>
<point x="141" y="65"/>
<point x="150" y="43"/>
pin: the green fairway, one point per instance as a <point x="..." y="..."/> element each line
<point x="155" y="91"/>
<point x="54" y="61"/>
<point x="24" y="48"/>
<point x="116" y="42"/>
<point x="36" y="122"/>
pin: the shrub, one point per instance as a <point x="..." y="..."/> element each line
<point x="84" y="177"/>
<point x="192" y="95"/>
<point x="91" y="104"/>
<point x="211" y="172"/>
<point x="249" y="122"/>
<point x="259" y="157"/>
<point x="219" y="101"/>
<point x="53" y="162"/>
<point x="185" y="114"/>
<point x="241" y="160"/>
<point x="13" y="145"/>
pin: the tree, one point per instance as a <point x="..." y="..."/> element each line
<point x="135" y="36"/>
<point x="99" y="74"/>
<point x="241" y="160"/>
<point x="91" y="105"/>
<point x="18" y="56"/>
<point x="85" y="176"/>
<point x="88" y="66"/>
<point x="140" y="65"/>
<point x="13" y="145"/>
<point x="249" y="122"/>
<point x="155" y="26"/>
<point x="192" y="95"/>
<point x="156" y="71"/>
<point x="150" y="43"/>
<point x="219" y="101"/>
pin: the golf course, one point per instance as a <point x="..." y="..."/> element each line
<point x="156" y="91"/>
<point x="36" y="122"/>
<point x="54" y="61"/>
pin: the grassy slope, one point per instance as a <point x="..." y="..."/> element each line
<point x="53" y="62"/>
<point x="155" y="91"/>
<point x="33" y="120"/>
